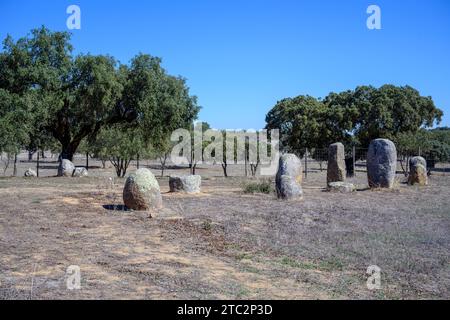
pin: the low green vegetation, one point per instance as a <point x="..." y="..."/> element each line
<point x="323" y="265"/>
<point x="261" y="186"/>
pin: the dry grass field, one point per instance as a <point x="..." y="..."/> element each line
<point x="222" y="243"/>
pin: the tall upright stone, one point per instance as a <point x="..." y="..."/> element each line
<point x="381" y="163"/>
<point x="418" y="171"/>
<point x="336" y="163"/>
<point x="289" y="177"/>
<point x="141" y="191"/>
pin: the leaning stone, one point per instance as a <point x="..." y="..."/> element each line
<point x="65" y="168"/>
<point x="141" y="191"/>
<point x="30" y="173"/>
<point x="80" y="172"/>
<point x="381" y="163"/>
<point x="336" y="163"/>
<point x="188" y="184"/>
<point x="418" y="171"/>
<point x="342" y="187"/>
<point x="289" y="177"/>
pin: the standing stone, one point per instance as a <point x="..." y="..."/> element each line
<point x="336" y="163"/>
<point x="418" y="171"/>
<point x="30" y="173"/>
<point x="175" y="184"/>
<point x="381" y="163"/>
<point x="188" y="184"/>
<point x="289" y="177"/>
<point x="141" y="191"/>
<point x="80" y="172"/>
<point x="65" y="168"/>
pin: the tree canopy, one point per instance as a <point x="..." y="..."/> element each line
<point x="71" y="97"/>
<point x="353" y="117"/>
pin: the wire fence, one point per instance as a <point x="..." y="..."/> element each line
<point x="356" y="159"/>
<point x="313" y="160"/>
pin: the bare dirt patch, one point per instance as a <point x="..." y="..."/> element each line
<point x="223" y="243"/>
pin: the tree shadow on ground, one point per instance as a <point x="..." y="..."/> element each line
<point x="115" y="207"/>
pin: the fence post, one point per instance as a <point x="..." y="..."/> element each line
<point x="87" y="160"/>
<point x="245" y="159"/>
<point x="306" y="163"/>
<point x="37" y="163"/>
<point x="354" y="160"/>
<point x="137" y="164"/>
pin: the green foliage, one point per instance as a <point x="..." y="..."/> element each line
<point x="354" y="117"/>
<point x="155" y="101"/>
<point x="119" y="144"/>
<point x="385" y="112"/>
<point x="262" y="186"/>
<point x="71" y="97"/>
<point x="434" y="144"/>
<point x="301" y="123"/>
<point x="13" y="113"/>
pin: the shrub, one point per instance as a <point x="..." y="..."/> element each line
<point x="263" y="186"/>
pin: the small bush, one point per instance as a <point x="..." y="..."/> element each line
<point x="263" y="186"/>
<point x="207" y="225"/>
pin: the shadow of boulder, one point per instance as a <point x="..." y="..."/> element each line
<point x="116" y="207"/>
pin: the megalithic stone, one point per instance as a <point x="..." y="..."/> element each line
<point x="418" y="171"/>
<point x="381" y="163"/>
<point x="141" y="191"/>
<point x="336" y="163"/>
<point x="289" y="177"/>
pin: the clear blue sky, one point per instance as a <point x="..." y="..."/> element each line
<point x="240" y="56"/>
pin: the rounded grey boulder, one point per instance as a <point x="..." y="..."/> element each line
<point x="381" y="163"/>
<point x="336" y="163"/>
<point x="30" y="173"/>
<point x="80" y="172"/>
<point x="188" y="183"/>
<point x="65" y="168"/>
<point x="289" y="177"/>
<point x="141" y="191"/>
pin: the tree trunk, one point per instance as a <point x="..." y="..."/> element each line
<point x="37" y="165"/>
<point x="163" y="161"/>
<point x="125" y="167"/>
<point x="306" y="163"/>
<point x="224" y="167"/>
<point x="6" y="163"/>
<point x="254" y="168"/>
<point x="245" y="163"/>
<point x="69" y="150"/>
<point x="87" y="161"/>
<point x="15" y="165"/>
